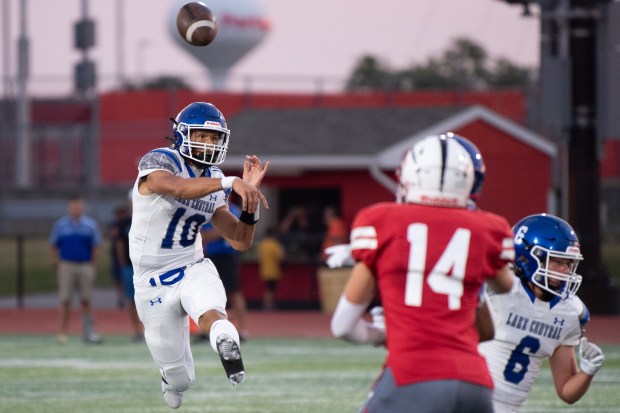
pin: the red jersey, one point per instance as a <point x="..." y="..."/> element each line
<point x="430" y="263"/>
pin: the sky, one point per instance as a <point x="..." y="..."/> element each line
<point x="321" y="39"/>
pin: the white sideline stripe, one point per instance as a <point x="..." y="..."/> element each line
<point x="309" y="374"/>
<point x="73" y="363"/>
<point x="311" y="352"/>
<point x="195" y="26"/>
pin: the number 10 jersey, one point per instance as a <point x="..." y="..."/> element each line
<point x="165" y="232"/>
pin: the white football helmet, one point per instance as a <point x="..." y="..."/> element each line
<point x="436" y="170"/>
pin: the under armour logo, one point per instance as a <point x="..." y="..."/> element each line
<point x="558" y="321"/>
<point x="153" y="302"/>
<point x="212" y="197"/>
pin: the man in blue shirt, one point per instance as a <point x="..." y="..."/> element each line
<point x="74" y="242"/>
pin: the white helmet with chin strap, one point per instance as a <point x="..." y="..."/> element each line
<point x="436" y="170"/>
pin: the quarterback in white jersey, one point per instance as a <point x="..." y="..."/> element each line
<point x="177" y="190"/>
<point x="540" y="318"/>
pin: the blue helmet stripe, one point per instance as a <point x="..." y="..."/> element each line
<point x="443" y="141"/>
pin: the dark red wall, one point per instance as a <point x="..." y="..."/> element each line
<point x="518" y="176"/>
<point x="137" y="121"/>
<point x="297" y="287"/>
<point x="357" y="188"/>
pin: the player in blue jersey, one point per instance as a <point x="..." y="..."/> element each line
<point x="178" y="189"/>
<point x="541" y="317"/>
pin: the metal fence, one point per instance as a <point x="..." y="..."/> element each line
<point x="26" y="267"/>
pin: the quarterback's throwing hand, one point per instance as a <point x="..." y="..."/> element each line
<point x="248" y="190"/>
<point x="591" y="357"/>
<point x="253" y="170"/>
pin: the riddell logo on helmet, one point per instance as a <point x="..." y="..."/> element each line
<point x="438" y="200"/>
<point x="211" y="123"/>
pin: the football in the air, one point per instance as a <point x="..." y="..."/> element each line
<point x="196" y="24"/>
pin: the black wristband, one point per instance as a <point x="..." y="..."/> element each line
<point x="247" y="218"/>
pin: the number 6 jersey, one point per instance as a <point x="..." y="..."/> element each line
<point x="527" y="331"/>
<point x="165" y="232"/>
<point x="430" y="263"/>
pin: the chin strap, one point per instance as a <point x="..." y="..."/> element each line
<point x="174" y="121"/>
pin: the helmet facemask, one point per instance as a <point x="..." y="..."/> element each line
<point x="560" y="284"/>
<point x="202" y="152"/>
<point x="547" y="250"/>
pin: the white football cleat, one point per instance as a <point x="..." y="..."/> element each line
<point x="172" y="398"/>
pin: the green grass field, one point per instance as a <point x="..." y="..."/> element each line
<point x="284" y="376"/>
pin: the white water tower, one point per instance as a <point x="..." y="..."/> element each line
<point x="242" y="24"/>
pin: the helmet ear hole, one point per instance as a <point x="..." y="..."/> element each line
<point x="479" y="166"/>
<point x="178" y="139"/>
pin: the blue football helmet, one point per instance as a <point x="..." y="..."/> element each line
<point x="479" y="168"/>
<point x="204" y="116"/>
<point x="539" y="238"/>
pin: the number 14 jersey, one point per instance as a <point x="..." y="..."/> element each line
<point x="430" y="263"/>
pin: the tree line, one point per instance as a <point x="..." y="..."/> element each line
<point x="464" y="65"/>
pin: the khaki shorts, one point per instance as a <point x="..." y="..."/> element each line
<point x="70" y="274"/>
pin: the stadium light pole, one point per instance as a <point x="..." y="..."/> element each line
<point x="6" y="48"/>
<point x="584" y="194"/>
<point x="120" y="43"/>
<point x="568" y="100"/>
<point x="23" y="158"/>
<point x="85" y="79"/>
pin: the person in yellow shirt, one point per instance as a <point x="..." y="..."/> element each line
<point x="270" y="256"/>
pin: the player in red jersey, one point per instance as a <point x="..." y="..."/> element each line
<point x="427" y="255"/>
